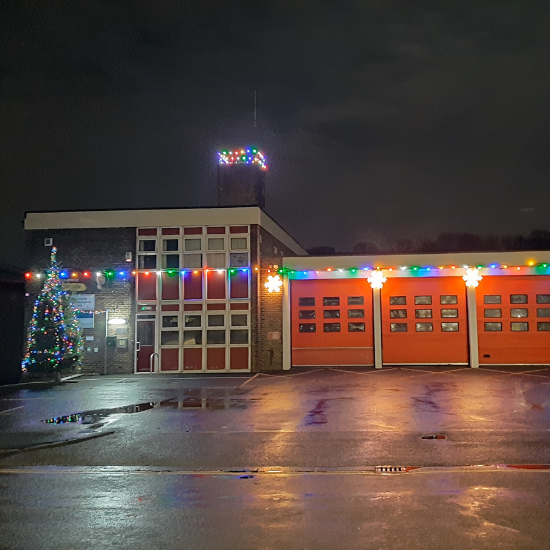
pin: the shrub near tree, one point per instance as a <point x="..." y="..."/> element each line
<point x="54" y="342"/>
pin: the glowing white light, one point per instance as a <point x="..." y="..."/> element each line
<point x="377" y="279"/>
<point x="472" y="277"/>
<point x="273" y="283"/>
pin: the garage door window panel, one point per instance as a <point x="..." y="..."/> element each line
<point x="398" y="313"/>
<point x="518" y="298"/>
<point x="448" y="299"/>
<point x="449" y="313"/>
<point x="423" y="300"/>
<point x="423" y="313"/>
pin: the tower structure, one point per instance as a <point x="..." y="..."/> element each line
<point x="241" y="177"/>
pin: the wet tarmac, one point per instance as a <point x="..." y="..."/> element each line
<point x="319" y="458"/>
<point x="64" y="509"/>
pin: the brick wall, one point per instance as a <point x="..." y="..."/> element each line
<point x="93" y="250"/>
<point x="267" y="308"/>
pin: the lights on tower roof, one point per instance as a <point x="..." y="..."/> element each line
<point x="248" y="155"/>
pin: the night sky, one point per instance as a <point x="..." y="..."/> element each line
<point x="380" y="120"/>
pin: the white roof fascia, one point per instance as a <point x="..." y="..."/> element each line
<point x="142" y="218"/>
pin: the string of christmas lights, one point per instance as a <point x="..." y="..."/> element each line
<point x="250" y="155"/>
<point x="540" y="267"/>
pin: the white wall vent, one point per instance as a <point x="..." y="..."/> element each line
<point x="48" y="242"/>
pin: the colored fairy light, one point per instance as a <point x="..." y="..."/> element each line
<point x="273" y="283"/>
<point x="63" y="274"/>
<point x="254" y="157"/>
<point x="472" y="277"/>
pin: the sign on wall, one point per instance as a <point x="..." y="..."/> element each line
<point x="85" y="303"/>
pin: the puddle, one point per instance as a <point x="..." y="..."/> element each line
<point x="192" y="399"/>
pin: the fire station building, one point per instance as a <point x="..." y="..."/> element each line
<point x="226" y="289"/>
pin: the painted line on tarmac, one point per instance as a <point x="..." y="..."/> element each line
<point x="12" y="409"/>
<point x="249" y="380"/>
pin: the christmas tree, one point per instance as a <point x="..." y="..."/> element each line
<point x="54" y="341"/>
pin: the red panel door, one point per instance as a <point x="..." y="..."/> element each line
<point x="145" y="339"/>
<point x="424" y="321"/>
<point x="332" y="322"/>
<point x="513" y="319"/>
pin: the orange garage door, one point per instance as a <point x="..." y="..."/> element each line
<point x="513" y="316"/>
<point x="332" y="322"/>
<point x="424" y="321"/>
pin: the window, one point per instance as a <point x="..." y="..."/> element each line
<point x="169" y="321"/>
<point x="398" y="327"/>
<point x="170" y="245"/>
<point x="192" y="260"/>
<point x="423" y="313"/>
<point x="331" y="327"/>
<point x="331" y="301"/>
<point x="448" y="299"/>
<point x="215" y="260"/>
<point x="147" y="262"/>
<point x="192" y="337"/>
<point x="398" y="300"/>
<point x="543" y="298"/>
<point x="518" y="298"/>
<point x="493" y="327"/>
<point x="147" y="246"/>
<point x="423" y="300"/>
<point x="424" y="327"/>
<point x="356" y="327"/>
<point x="449" y="313"/>
<point x="169" y="338"/>
<point x="238" y="337"/>
<point x="238" y="259"/>
<point x="306" y="314"/>
<point x="491" y="299"/>
<point x="239" y="243"/>
<point x="449" y="327"/>
<point x="398" y="313"/>
<point x="357" y="300"/>
<point x="216" y="320"/>
<point x="519" y="327"/>
<point x="192" y="245"/>
<point x="215" y="336"/>
<point x="519" y="312"/>
<point x="543" y="326"/>
<point x="356" y="313"/>
<point x="239" y="319"/>
<point x="331" y="314"/>
<point x="543" y="312"/>
<point x="306" y="302"/>
<point x="170" y="261"/>
<point x="192" y="320"/>
<point x="216" y="243"/>
<point x="306" y="327"/>
<point x="493" y="312"/>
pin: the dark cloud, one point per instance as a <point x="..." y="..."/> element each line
<point x="381" y="120"/>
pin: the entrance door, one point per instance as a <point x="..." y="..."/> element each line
<point x="145" y="342"/>
<point x="424" y="321"/>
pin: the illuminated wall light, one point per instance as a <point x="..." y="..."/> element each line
<point x="377" y="279"/>
<point x="273" y="283"/>
<point x="472" y="277"/>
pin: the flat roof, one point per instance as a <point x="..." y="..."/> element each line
<point x="161" y="217"/>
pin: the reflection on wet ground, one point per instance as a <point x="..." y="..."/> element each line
<point x="195" y="398"/>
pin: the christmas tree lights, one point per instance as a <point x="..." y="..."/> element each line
<point x="249" y="155"/>
<point x="54" y="340"/>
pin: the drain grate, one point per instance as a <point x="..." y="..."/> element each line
<point x="391" y="469"/>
